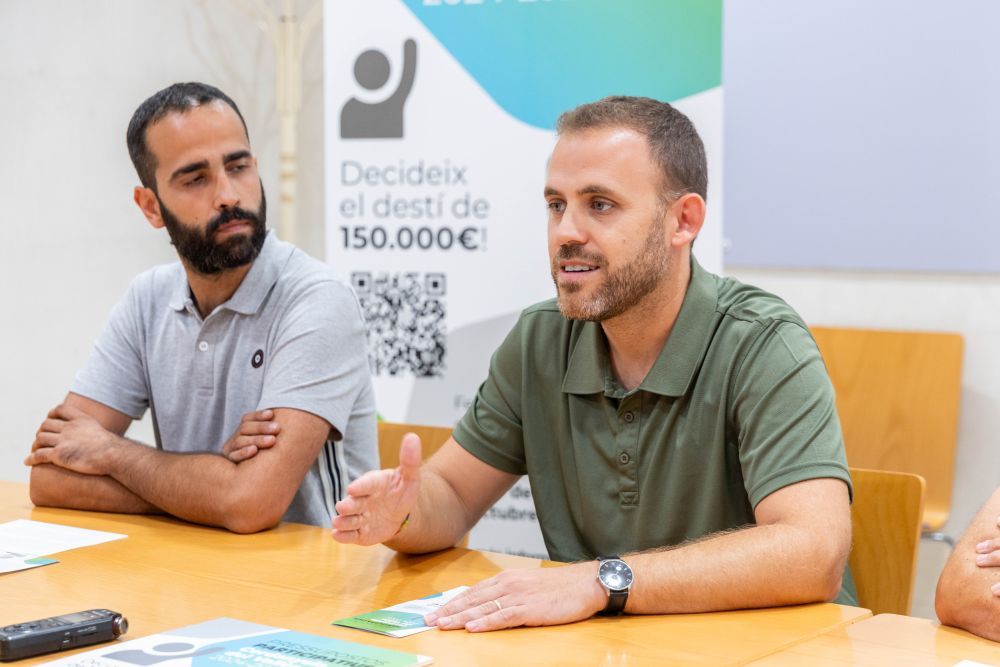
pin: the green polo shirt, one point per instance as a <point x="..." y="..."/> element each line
<point x="737" y="405"/>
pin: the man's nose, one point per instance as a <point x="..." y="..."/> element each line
<point x="569" y="230"/>
<point x="225" y="193"/>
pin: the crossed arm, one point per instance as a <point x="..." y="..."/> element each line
<point x="794" y="554"/>
<point x="80" y="460"/>
<point x="968" y="592"/>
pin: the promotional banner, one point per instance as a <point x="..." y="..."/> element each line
<point x="440" y="120"/>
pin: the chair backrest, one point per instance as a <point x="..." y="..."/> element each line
<point x="390" y="434"/>
<point x="897" y="397"/>
<point x="885" y="517"/>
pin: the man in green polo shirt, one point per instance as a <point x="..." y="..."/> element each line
<point x="677" y="425"/>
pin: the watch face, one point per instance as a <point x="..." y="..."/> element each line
<point x="615" y="574"/>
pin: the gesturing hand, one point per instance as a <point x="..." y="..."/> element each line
<point x="72" y="439"/>
<point x="256" y="431"/>
<point x="379" y="501"/>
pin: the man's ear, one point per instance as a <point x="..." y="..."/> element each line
<point x="690" y="211"/>
<point x="147" y="202"/>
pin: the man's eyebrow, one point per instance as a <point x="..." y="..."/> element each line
<point x="195" y="166"/>
<point x="596" y="190"/>
<point x="188" y="168"/>
<point x="586" y="190"/>
<point x="237" y="155"/>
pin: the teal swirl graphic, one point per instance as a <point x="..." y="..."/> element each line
<point x="536" y="59"/>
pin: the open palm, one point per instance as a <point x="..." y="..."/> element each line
<point x="378" y="502"/>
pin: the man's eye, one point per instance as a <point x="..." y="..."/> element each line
<point x="600" y="205"/>
<point x="557" y="206"/>
<point x="197" y="180"/>
<point x="237" y="167"/>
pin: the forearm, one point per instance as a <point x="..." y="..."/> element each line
<point x="52" y="486"/>
<point x="964" y="599"/>
<point x="438" y="520"/>
<point x="964" y="593"/>
<point x="203" y="488"/>
<point x="759" y="566"/>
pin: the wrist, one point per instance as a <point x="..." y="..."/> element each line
<point x="113" y="454"/>
<point x="399" y="539"/>
<point x="597" y="596"/>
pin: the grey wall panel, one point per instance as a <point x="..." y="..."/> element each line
<point x="862" y="134"/>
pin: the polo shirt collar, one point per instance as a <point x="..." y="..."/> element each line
<point x="589" y="367"/>
<point x="255" y="286"/>
<point x="680" y="358"/>
<point x="589" y="364"/>
<point x="181" y="296"/>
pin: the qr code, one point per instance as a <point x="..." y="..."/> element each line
<point x="405" y="314"/>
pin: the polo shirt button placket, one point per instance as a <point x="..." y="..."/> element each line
<point x="204" y="361"/>
<point x="628" y="491"/>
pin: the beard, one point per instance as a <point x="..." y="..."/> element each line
<point x="623" y="288"/>
<point x="206" y="255"/>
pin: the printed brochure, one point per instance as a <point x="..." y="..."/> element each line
<point x="401" y="620"/>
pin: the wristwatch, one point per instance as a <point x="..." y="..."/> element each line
<point x="615" y="576"/>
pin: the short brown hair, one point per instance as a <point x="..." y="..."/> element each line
<point x="178" y="98"/>
<point x="673" y="142"/>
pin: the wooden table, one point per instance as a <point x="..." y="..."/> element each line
<point x="169" y="573"/>
<point x="888" y="639"/>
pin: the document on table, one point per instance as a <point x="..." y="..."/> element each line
<point x="227" y="642"/>
<point x="24" y="543"/>
<point x="403" y="619"/>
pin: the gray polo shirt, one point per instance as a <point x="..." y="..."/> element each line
<point x="291" y="336"/>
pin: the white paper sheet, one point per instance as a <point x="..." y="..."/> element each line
<point x="24" y="542"/>
<point x="13" y="562"/>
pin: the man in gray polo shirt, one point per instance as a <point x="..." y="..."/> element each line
<point x="676" y="424"/>
<point x="246" y="347"/>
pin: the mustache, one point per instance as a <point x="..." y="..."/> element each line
<point x="567" y="252"/>
<point x="228" y="215"/>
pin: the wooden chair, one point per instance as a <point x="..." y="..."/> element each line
<point x="897" y="396"/>
<point x="886" y="518"/>
<point x="431" y="438"/>
<point x="390" y="434"/>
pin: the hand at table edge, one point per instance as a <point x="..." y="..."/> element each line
<point x="525" y="597"/>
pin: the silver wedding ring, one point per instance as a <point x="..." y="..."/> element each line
<point x="499" y="606"/>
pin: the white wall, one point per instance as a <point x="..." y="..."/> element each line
<point x="71" y="74"/>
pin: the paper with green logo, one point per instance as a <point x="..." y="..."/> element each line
<point x="401" y="620"/>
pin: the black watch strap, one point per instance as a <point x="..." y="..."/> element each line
<point x="616" y="603"/>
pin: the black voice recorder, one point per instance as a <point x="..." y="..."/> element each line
<point x="59" y="633"/>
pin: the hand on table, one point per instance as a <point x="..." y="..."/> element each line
<point x="547" y="596"/>
<point x="256" y="431"/>
<point x="378" y="502"/>
<point x="989" y="556"/>
<point x="72" y="439"/>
